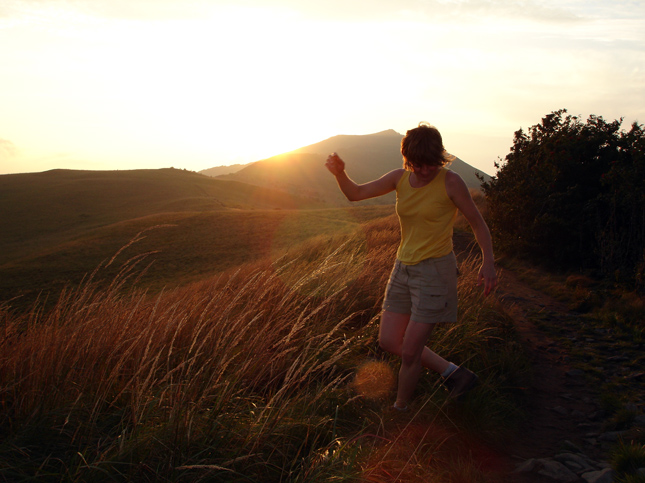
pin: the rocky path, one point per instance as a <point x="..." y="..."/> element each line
<point x="570" y="431"/>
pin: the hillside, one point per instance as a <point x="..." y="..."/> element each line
<point x="45" y="209"/>
<point x="60" y="226"/>
<point x="222" y="170"/>
<point x="259" y="362"/>
<point x="302" y="172"/>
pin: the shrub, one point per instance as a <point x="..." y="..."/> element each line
<point x="572" y="194"/>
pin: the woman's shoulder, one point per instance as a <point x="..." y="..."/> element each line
<point x="393" y="177"/>
<point x="451" y="176"/>
<point x="454" y="184"/>
<point x="396" y="174"/>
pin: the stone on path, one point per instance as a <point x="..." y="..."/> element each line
<point x="549" y="468"/>
<point x="603" y="476"/>
<point x="575" y="462"/>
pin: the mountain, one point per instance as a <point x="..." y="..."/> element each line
<point x="220" y="170"/>
<point x="302" y="172"/>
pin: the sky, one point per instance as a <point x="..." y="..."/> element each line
<point x="192" y="84"/>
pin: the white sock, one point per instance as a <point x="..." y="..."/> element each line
<point x="451" y="368"/>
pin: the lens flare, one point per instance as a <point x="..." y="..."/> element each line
<point x="374" y="380"/>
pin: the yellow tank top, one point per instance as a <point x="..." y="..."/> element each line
<point x="427" y="216"/>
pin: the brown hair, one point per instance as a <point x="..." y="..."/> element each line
<point x="423" y="146"/>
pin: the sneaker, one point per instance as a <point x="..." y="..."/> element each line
<point x="460" y="382"/>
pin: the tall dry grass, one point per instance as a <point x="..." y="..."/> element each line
<point x="241" y="377"/>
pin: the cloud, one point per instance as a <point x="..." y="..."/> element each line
<point x="110" y="9"/>
<point x="477" y="11"/>
<point x="432" y="10"/>
<point x="356" y="10"/>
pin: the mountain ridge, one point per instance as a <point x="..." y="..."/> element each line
<point x="302" y="172"/>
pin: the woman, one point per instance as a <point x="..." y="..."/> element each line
<point x="422" y="290"/>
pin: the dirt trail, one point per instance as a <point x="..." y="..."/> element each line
<point x="560" y="406"/>
<point x="554" y="397"/>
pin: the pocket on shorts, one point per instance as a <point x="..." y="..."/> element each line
<point x="434" y="298"/>
<point x="433" y="292"/>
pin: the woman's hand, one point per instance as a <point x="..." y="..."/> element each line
<point x="488" y="276"/>
<point x="334" y="164"/>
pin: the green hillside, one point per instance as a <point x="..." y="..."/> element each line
<point x="46" y="209"/>
<point x="302" y="172"/>
<point x="179" y="247"/>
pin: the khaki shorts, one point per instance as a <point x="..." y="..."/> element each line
<point x="427" y="290"/>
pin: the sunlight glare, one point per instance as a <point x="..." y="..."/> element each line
<point x="239" y="78"/>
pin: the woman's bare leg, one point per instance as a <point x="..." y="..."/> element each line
<point x="414" y="341"/>
<point x="399" y="335"/>
<point x="391" y="334"/>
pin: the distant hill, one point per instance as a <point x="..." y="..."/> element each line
<point x="52" y="207"/>
<point x="58" y="226"/>
<point x="302" y="172"/>
<point x="221" y="170"/>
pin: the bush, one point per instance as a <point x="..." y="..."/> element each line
<point x="572" y="194"/>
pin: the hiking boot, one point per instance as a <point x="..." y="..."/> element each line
<point x="460" y="382"/>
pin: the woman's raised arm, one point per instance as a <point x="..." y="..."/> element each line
<point x="357" y="192"/>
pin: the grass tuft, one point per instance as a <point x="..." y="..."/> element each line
<point x="627" y="459"/>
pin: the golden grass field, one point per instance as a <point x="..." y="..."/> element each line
<point x="162" y="326"/>
<point x="172" y="336"/>
<point x="257" y="373"/>
<point x="182" y="246"/>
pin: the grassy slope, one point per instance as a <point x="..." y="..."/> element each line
<point x="60" y="225"/>
<point x="261" y="375"/>
<point x="46" y="209"/>
<point x="184" y="246"/>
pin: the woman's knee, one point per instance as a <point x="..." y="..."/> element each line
<point x="410" y="357"/>
<point x="390" y="344"/>
<point x="392" y="331"/>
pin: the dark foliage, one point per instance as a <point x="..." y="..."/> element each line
<point x="573" y="194"/>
